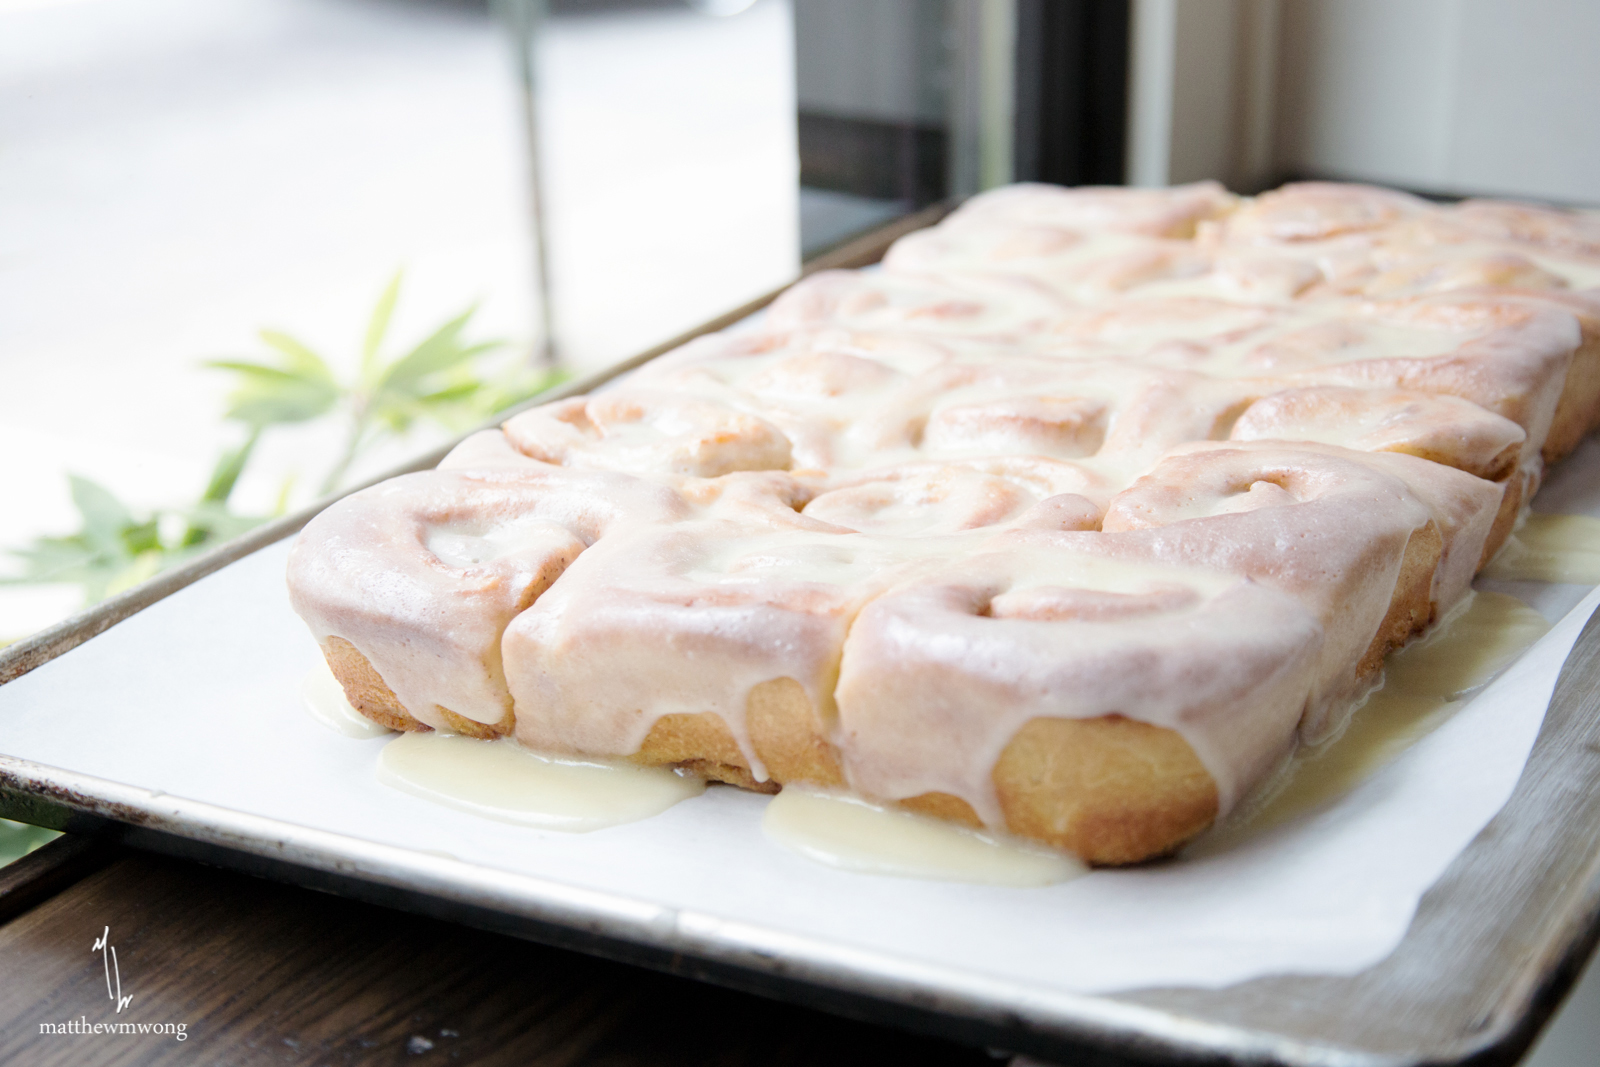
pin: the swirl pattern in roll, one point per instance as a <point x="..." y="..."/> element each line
<point x="1071" y="520"/>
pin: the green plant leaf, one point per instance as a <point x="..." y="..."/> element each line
<point x="285" y="490"/>
<point x="523" y="384"/>
<point x="440" y="351"/>
<point x="225" y="475"/>
<point x="139" y="538"/>
<point x="378" y="326"/>
<point x="451" y="394"/>
<point x="73" y="560"/>
<point x="438" y="380"/>
<point x="267" y="395"/>
<point x="112" y="551"/>
<point x="53" y="559"/>
<point x="104" y="516"/>
<point x="394" y="414"/>
<point x="482" y="348"/>
<point x="214" y="501"/>
<point x="18" y="839"/>
<point x="211" y="522"/>
<point x="301" y="361"/>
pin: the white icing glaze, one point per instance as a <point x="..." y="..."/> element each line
<point x="488" y="450"/>
<point x="1173" y="212"/>
<point x="1475" y="643"/>
<point x="851" y="834"/>
<point x="1422" y="687"/>
<point x="927" y="499"/>
<point x="1442" y="428"/>
<point x="994" y="308"/>
<point x="917" y="463"/>
<point x="1041" y="630"/>
<point x="505" y="781"/>
<point x="690" y="619"/>
<point x="323" y="697"/>
<point x="1309" y="211"/>
<point x="649" y="432"/>
<point x="1550" y="548"/>
<point x="1338" y="549"/>
<point x="1461" y="507"/>
<point x="367" y="572"/>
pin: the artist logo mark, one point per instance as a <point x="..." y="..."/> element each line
<point x="108" y="956"/>
<point x="113" y="972"/>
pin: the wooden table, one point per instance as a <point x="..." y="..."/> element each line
<point x="263" y="973"/>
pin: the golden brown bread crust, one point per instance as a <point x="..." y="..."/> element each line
<point x="1578" y="410"/>
<point x="365" y="690"/>
<point x="1411" y="609"/>
<point x="370" y="695"/>
<point x="1111" y="790"/>
<point x="701" y="744"/>
<point x="784" y="731"/>
<point x="473" y="728"/>
<point x="945" y="806"/>
<point x="1505" y="520"/>
<point x="788" y="735"/>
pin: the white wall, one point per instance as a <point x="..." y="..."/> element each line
<point x="1483" y="97"/>
<point x="1203" y="75"/>
<point x="1201" y="92"/>
<point x="1456" y="96"/>
<point x="179" y="173"/>
<point x="671" y="176"/>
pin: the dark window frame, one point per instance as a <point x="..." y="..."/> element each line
<point x="1071" y="104"/>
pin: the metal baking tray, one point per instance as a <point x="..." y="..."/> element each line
<point x="1493" y="947"/>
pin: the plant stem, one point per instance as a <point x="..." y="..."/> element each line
<point x="223" y="479"/>
<point x="352" y="446"/>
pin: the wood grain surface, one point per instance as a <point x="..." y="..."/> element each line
<point x="261" y="973"/>
<point x="41" y="874"/>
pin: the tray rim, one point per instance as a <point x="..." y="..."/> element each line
<point x="864" y="983"/>
<point x="141" y="817"/>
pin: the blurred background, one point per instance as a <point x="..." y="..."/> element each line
<point x="254" y="251"/>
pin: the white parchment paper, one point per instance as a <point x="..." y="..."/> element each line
<point x="198" y="697"/>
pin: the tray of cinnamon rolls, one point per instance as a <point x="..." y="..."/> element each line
<point x="1068" y="532"/>
<point x="1070" y="522"/>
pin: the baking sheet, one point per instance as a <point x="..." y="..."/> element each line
<point x="198" y="697"/>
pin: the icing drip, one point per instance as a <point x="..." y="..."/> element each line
<point x="853" y="835"/>
<point x="1423" y="686"/>
<point x="502" y="780"/>
<point x="323" y="697"/>
<point x="1169" y="458"/>
<point x="1550" y="548"/>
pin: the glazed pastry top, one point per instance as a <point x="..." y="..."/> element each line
<point x="1170" y="455"/>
